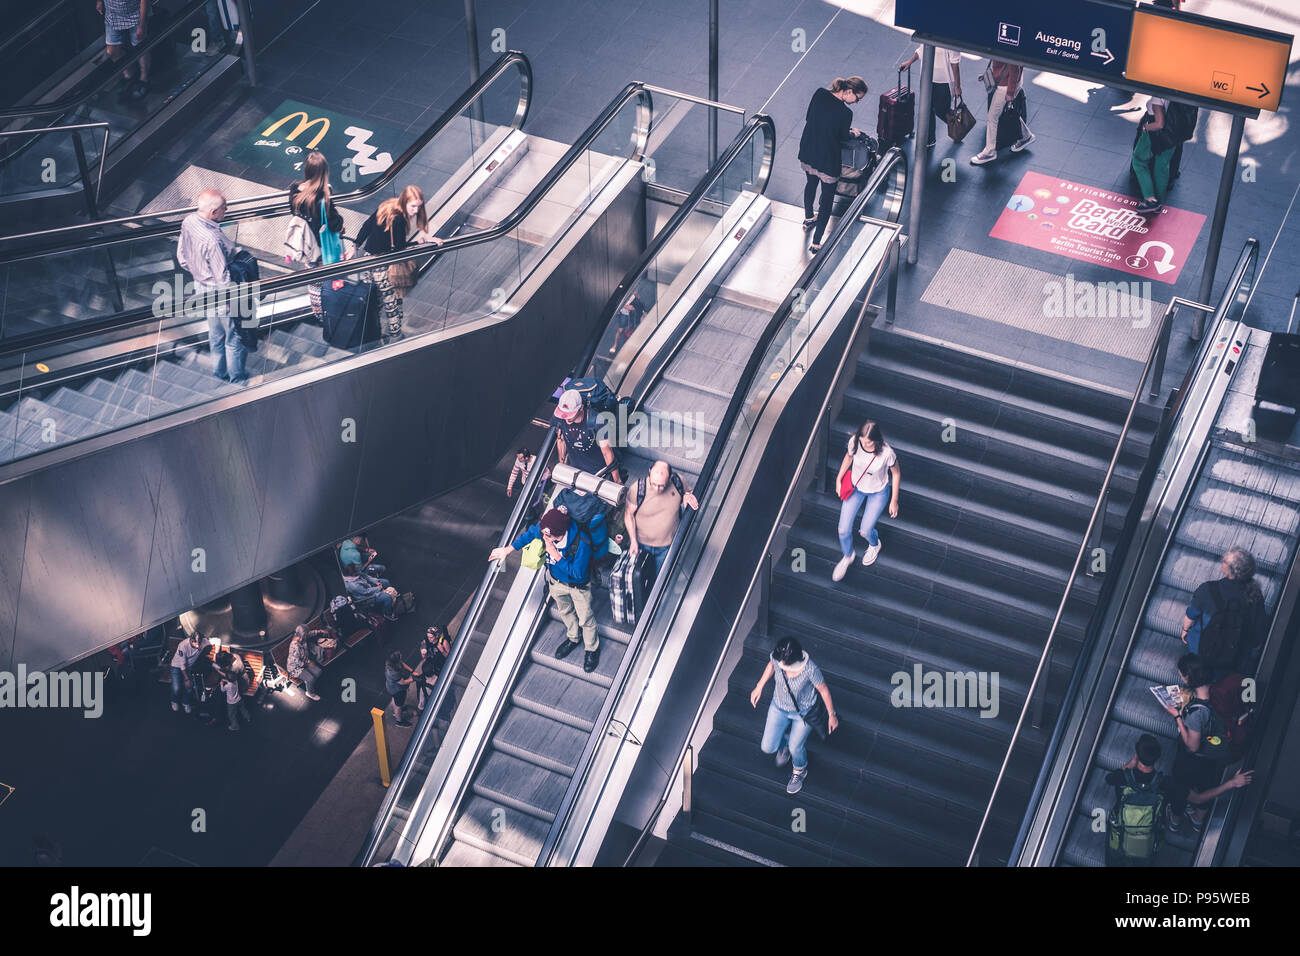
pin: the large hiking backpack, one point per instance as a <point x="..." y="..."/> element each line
<point x="1226" y="702"/>
<point x="596" y="395"/>
<point x="1136" y="822"/>
<point x="1222" y="635"/>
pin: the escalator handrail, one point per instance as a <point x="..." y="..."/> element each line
<point x="79" y="99"/>
<point x="274" y="202"/>
<point x="759" y="122"/>
<point x="48" y="13"/>
<point x="893" y="162"/>
<point x="1075" y="684"/>
<point x="323" y="273"/>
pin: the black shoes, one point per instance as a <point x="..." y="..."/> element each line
<point x="590" y="660"/>
<point x="565" y="649"/>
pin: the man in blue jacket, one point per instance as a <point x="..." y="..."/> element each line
<point x="568" y="567"/>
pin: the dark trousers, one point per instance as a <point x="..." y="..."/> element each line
<point x="940" y="104"/>
<point x="823" y="209"/>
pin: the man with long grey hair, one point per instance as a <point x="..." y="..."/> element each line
<point x="1224" y="621"/>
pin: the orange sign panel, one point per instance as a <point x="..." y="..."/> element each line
<point x="1212" y="61"/>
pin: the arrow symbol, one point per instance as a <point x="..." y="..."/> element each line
<point x="1164" y="264"/>
<point x="1109" y="57"/>
<point x="1256" y="89"/>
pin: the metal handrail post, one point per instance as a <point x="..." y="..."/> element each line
<point x="246" y="48"/>
<point x="80" y="150"/>
<point x="891" y="295"/>
<point x="1162" y="348"/>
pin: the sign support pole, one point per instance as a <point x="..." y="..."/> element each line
<point x="713" y="80"/>
<point x="920" y="154"/>
<point x="1230" y="159"/>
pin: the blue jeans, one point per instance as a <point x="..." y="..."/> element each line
<point x="657" y="553"/>
<point x="786" y="728"/>
<point x="180" y="693"/>
<point x="225" y="344"/>
<point x="876" y="504"/>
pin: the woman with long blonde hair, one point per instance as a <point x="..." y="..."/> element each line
<point x="395" y="225"/>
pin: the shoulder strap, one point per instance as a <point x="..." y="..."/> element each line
<point x="1130" y="778"/>
<point x="677" y="483"/>
<point x="640" y="495"/>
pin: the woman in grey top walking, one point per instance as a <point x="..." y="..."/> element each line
<point x="798" y="682"/>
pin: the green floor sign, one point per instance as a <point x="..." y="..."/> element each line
<point x="358" y="150"/>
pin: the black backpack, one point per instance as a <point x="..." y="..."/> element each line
<point x="1180" y="121"/>
<point x="1221" y="637"/>
<point x="640" y="489"/>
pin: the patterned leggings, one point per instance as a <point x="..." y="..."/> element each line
<point x="392" y="300"/>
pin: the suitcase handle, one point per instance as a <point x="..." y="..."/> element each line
<point x="909" y="79"/>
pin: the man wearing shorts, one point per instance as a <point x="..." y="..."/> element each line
<point x="126" y="22"/>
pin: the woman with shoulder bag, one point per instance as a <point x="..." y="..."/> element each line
<point x="395" y="225"/>
<point x="801" y="703"/>
<point x="312" y="208"/>
<point x="869" y="475"/>
<point x="828" y="125"/>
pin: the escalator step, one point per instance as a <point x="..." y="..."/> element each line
<point x="462" y="854"/>
<point x="558" y="696"/>
<point x="547" y="742"/>
<point x="508" y="833"/>
<point x="1155" y="657"/>
<point x="508" y="781"/>
<point x="1137" y="706"/>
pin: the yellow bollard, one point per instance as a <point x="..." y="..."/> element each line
<point x="381" y="744"/>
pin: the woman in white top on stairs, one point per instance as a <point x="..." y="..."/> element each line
<point x="873" y="470"/>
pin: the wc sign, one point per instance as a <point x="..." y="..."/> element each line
<point x="281" y="141"/>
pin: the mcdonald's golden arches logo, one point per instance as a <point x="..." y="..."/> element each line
<point x="304" y="123"/>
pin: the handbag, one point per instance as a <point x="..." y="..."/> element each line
<point x="960" y="120"/>
<point x="531" y="556"/>
<point x="401" y="275"/>
<point x="331" y="242"/>
<point x="300" y="243"/>
<point x="817" y="716"/>
<point x="848" y="483"/>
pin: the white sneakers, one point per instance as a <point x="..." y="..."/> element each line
<point x="1021" y="144"/>
<point x="842" y="568"/>
<point x="869" y="557"/>
<point x="982" y="157"/>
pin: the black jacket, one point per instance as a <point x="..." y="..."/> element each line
<point x="825" y="129"/>
<point x="377" y="240"/>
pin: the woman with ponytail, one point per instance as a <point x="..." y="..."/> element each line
<point x="828" y="125"/>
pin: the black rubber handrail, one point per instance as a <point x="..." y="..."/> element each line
<point x="478" y="602"/>
<point x="893" y="160"/>
<point x="35" y="23"/>
<point x="30" y="245"/>
<point x="80" y="99"/>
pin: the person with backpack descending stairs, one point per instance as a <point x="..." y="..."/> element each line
<point x="568" y="569"/>
<point x="582" y="431"/>
<point x="1223" y="622"/>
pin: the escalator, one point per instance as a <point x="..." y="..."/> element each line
<point x="70" y="105"/>
<point x="537" y="753"/>
<point x="323" y="442"/>
<point x="1211" y="488"/>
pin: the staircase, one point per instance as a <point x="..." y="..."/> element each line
<point x="1001" y="467"/>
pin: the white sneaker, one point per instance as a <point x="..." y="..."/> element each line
<point x="176" y="707"/>
<point x="189" y="709"/>
<point x="311" y="696"/>
<point x="1021" y="144"/>
<point x="842" y="568"/>
<point x="870" y="555"/>
<point x="982" y="157"/>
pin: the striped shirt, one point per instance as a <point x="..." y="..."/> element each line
<point x="122" y="14"/>
<point x="803" y="685"/>
<point x="519" y="473"/>
<point x="203" y="250"/>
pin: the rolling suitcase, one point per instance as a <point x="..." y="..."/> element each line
<point x="351" y="313"/>
<point x="897" y="117"/>
<point x="1277" y="394"/>
<point x="629" y="583"/>
<point x="858" y="158"/>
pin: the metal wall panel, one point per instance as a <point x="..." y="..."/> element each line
<point x="86" y="560"/>
<point x="212" y="491"/>
<point x="14" y="506"/>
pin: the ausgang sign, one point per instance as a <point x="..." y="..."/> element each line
<point x="1081" y="36"/>
<point x="1157" y="51"/>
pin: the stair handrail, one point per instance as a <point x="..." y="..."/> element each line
<point x="250" y="207"/>
<point x="759" y="122"/>
<point x="1034" y="697"/>
<point x="892" y="164"/>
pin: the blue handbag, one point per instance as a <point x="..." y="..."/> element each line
<point x="331" y="243"/>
